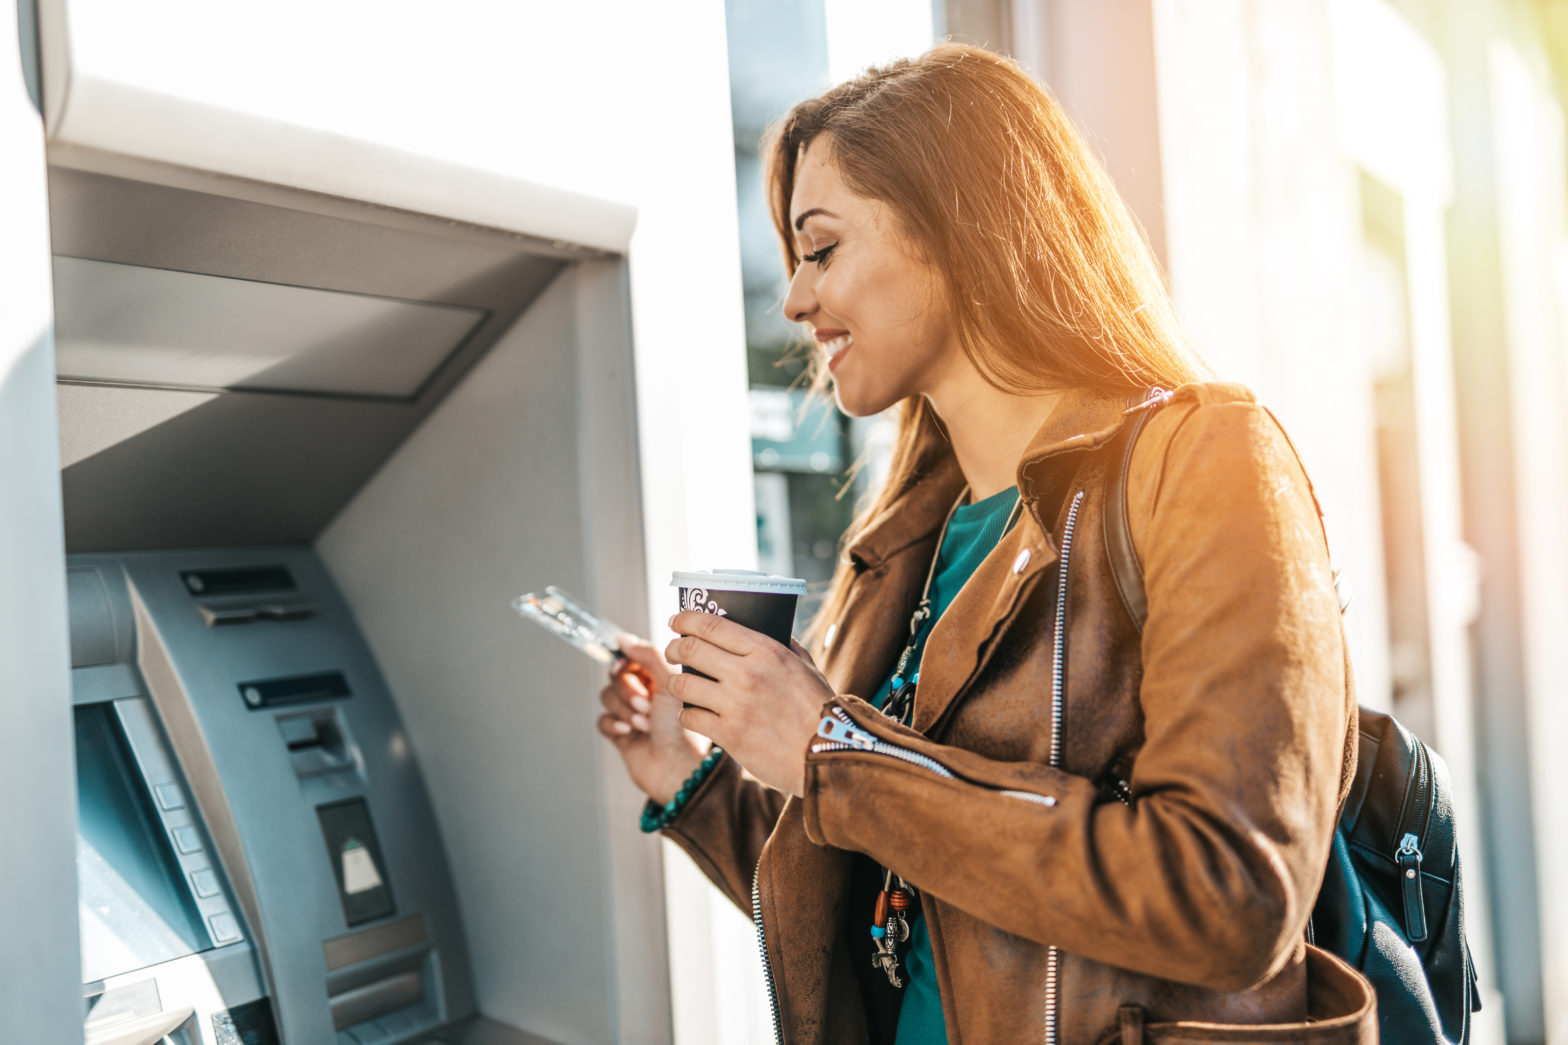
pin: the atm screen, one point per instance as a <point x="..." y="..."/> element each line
<point x="135" y="909"/>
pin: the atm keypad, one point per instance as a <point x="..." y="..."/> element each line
<point x="205" y="883"/>
<point x="224" y="928"/>
<point x="169" y="797"/>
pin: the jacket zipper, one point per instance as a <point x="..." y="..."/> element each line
<point x="1408" y="856"/>
<point x="767" y="963"/>
<point x="1053" y="957"/>
<point x="838" y="732"/>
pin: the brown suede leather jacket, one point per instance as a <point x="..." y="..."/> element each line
<point x="1057" y="912"/>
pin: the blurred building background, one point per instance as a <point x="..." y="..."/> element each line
<point x="1360" y="208"/>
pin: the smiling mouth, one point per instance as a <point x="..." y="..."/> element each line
<point x="837" y="348"/>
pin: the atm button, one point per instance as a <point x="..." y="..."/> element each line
<point x="205" y="883"/>
<point x="224" y="928"/>
<point x="169" y="797"/>
<point x="186" y="840"/>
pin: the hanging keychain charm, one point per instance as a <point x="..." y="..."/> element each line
<point x="884" y="932"/>
<point x="890" y="924"/>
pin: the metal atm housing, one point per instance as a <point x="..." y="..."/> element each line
<point x="321" y="415"/>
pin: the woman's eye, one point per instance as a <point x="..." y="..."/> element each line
<point x="817" y="257"/>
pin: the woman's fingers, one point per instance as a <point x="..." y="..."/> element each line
<point x="625" y="709"/>
<point x="720" y="631"/>
<point x="694" y="689"/>
<point x="633" y="689"/>
<point x="614" y="728"/>
<point x="700" y="719"/>
<point x="693" y="652"/>
<point x="642" y="653"/>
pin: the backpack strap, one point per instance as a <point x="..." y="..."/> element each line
<point x="1125" y="567"/>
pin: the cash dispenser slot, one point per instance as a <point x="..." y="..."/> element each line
<point x="378" y="971"/>
<point x="295" y="689"/>
<point x="237" y="580"/>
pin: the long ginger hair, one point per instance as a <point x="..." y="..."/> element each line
<point x="1049" y="280"/>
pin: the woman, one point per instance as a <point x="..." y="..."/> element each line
<point x="998" y="812"/>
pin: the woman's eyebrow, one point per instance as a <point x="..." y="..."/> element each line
<point x="800" y="222"/>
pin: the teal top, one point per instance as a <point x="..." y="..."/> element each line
<point x="974" y="530"/>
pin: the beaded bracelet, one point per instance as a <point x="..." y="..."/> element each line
<point x="656" y="817"/>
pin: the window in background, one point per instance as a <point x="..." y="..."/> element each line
<point x="780" y="52"/>
<point x="1385" y="300"/>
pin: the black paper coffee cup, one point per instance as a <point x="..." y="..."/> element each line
<point x="759" y="601"/>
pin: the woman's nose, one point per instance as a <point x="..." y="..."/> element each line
<point x="800" y="304"/>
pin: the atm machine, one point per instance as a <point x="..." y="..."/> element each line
<point x="254" y="836"/>
<point x="323" y="408"/>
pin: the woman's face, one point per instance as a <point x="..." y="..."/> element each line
<point x="874" y="306"/>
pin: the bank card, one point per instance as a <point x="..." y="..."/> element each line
<point x="565" y="618"/>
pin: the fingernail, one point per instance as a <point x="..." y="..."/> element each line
<point x="641" y="722"/>
<point x="620" y="727"/>
<point x="671" y="622"/>
<point x="642" y="704"/>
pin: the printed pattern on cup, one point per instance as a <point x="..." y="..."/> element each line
<point x="697" y="599"/>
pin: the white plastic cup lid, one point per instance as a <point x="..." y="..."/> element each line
<point x="738" y="580"/>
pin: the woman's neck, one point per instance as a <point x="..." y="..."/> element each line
<point x="989" y="429"/>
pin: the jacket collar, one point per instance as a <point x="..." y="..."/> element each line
<point x="1083" y="420"/>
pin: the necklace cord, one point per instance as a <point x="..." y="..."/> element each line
<point x="897" y="895"/>
<point x="900" y="701"/>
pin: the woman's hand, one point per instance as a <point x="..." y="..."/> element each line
<point x="764" y="703"/>
<point x="643" y="720"/>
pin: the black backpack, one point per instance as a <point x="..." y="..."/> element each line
<point x="1390" y="903"/>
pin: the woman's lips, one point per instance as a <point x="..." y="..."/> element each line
<point x="837" y="348"/>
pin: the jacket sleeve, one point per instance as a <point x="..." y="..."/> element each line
<point x="724" y="826"/>
<point x="1210" y="875"/>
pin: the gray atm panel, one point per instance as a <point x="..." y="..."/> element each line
<point x="304" y="777"/>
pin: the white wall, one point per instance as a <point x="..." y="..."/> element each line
<point x="41" y="972"/>
<point x="500" y="491"/>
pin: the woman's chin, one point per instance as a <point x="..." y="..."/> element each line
<point x="857" y="405"/>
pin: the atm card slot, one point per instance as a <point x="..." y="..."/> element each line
<point x="296" y="689"/>
<point x="251" y="613"/>
<point x="316" y="742"/>
<point x="237" y="580"/>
